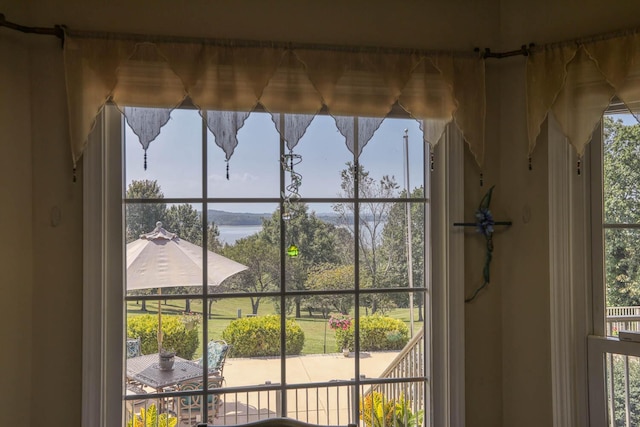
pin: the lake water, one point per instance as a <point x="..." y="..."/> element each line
<point x="230" y="233"/>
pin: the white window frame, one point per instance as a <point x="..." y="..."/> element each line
<point x="103" y="318"/>
<point x="577" y="290"/>
<point x="599" y="344"/>
<point x="570" y="278"/>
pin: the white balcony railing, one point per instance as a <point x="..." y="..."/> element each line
<point x="622" y="370"/>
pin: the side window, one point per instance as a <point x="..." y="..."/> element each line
<point x="620" y="229"/>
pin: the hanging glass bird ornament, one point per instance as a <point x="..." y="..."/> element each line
<point x="292" y="250"/>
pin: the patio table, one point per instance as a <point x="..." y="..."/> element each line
<point x="145" y="369"/>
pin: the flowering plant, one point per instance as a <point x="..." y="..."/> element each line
<point x="341" y="325"/>
<point x="191" y="319"/>
<point x="339" y="322"/>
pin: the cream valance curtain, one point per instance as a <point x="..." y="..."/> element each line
<point x="577" y="82"/>
<point x="226" y="81"/>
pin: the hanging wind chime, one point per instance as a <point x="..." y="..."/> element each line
<point x="292" y="194"/>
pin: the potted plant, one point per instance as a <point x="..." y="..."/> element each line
<point x="341" y="324"/>
<point x="167" y="357"/>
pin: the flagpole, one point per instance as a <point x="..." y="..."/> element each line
<point x="409" y="235"/>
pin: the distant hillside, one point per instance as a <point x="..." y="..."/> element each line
<point x="246" y="218"/>
<point x="235" y="218"/>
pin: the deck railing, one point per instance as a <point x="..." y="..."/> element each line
<point x="622" y="370"/>
<point x="622" y="319"/>
<point x="329" y="403"/>
<point x="409" y="366"/>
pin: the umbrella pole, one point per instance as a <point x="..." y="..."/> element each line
<point x="159" y="322"/>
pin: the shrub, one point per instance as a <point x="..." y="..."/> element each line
<point x="150" y="418"/>
<point x="376" y="333"/>
<point x="260" y="336"/>
<point x="376" y="410"/>
<point x="176" y="334"/>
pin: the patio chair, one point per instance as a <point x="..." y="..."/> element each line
<point x="216" y="355"/>
<point x="134" y="347"/>
<point x="276" y="422"/>
<point x="190" y="408"/>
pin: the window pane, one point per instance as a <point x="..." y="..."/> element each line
<point x="623" y="389"/>
<point x="394" y="404"/>
<point x="254" y="168"/>
<point x="253" y="357"/>
<point x="387" y="323"/>
<point x="319" y="248"/>
<point x="622" y="254"/>
<point x="174" y="158"/>
<point x="621" y="169"/>
<point x="323" y="156"/>
<point x="386" y="155"/>
<point x="622" y="216"/>
<point x="247" y="240"/>
<point x="402" y="246"/>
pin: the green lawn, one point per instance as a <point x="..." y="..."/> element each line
<point x="319" y="338"/>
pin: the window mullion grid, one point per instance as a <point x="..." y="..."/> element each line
<point x="283" y="266"/>
<point x="358" y="381"/>
<point x="356" y="273"/>
<point x="205" y="273"/>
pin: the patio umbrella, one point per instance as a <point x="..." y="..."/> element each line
<point x="161" y="259"/>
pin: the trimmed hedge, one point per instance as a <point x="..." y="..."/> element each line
<point x="175" y="334"/>
<point x="376" y="333"/>
<point x="260" y="336"/>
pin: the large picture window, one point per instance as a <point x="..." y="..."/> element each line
<point x="324" y="241"/>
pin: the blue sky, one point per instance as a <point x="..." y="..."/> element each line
<point x="175" y="159"/>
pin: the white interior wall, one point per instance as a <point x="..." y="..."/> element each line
<point x="16" y="213"/>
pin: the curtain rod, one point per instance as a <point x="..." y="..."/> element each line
<point x="587" y="39"/>
<point x="59" y="31"/>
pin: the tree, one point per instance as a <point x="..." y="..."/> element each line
<point x="183" y="220"/>
<point x="316" y="239"/>
<point x="333" y="277"/>
<point x="622" y="206"/>
<point x="263" y="262"/>
<point x="142" y="217"/>
<point x="395" y="242"/>
<point x="373" y="215"/>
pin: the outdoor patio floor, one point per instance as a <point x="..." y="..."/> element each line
<point x="328" y="406"/>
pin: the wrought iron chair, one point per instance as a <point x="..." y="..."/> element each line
<point x="216" y="355"/>
<point x="190" y="408"/>
<point x="134" y="347"/>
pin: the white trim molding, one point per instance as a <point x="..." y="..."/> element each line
<point x="102" y="377"/>
<point x="448" y="282"/>
<point x="569" y="255"/>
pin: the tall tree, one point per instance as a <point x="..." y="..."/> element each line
<point x="317" y="241"/>
<point x="373" y="214"/>
<point x="395" y="246"/>
<point x="333" y="277"/>
<point x="184" y="221"/>
<point x="142" y="217"/>
<point x="622" y="206"/>
<point x="263" y="261"/>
